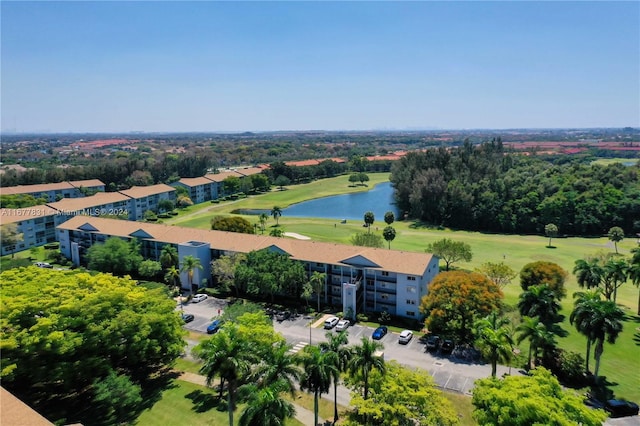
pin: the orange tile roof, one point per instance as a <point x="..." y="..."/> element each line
<point x="18" y="215"/>
<point x="248" y="171"/>
<point x="145" y="191"/>
<point x="312" y="251"/>
<point x="14" y="412"/>
<point x="99" y="199"/>
<point x="219" y="177"/>
<point x="302" y="163"/>
<point x="29" y="189"/>
<point x="195" y="181"/>
<point x="86" y="183"/>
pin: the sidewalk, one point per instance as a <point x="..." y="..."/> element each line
<point x="303" y="415"/>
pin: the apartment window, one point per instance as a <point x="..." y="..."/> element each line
<point x="410" y="278"/>
<point x="411" y="314"/>
<point x="411" y="302"/>
<point x="385" y="274"/>
<point x="319" y="265"/>
<point x="411" y="289"/>
<point x="384" y="296"/>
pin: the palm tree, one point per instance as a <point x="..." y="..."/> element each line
<point x="335" y="344"/>
<point x="263" y="221"/>
<point x="634" y="271"/>
<point x="583" y="311"/>
<point x="616" y="272"/>
<point x="363" y="360"/>
<point x="189" y="265"/>
<point x="319" y="368"/>
<point x="279" y="367"/>
<point x="540" y="301"/>
<point x="589" y="272"/>
<point x="265" y="406"/>
<point x="539" y="336"/>
<point x="173" y="277"/>
<point x="229" y="356"/>
<point x="369" y="218"/>
<point x="317" y="280"/>
<point x="276" y="212"/>
<point x="605" y="324"/>
<point x="389" y="234"/>
<point x="493" y="339"/>
<point x="169" y="256"/>
<point x="616" y="234"/>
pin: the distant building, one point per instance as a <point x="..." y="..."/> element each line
<point x="148" y="198"/>
<point x="369" y="279"/>
<point x="56" y="191"/>
<point x="218" y="179"/>
<point x="37" y="224"/>
<point x="200" y="189"/>
<point x="99" y="204"/>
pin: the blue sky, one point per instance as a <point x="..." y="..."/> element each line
<point x="251" y="66"/>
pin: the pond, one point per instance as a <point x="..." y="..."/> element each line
<point x="378" y="200"/>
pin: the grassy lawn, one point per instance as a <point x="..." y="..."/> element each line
<point x="463" y="406"/>
<point x="607" y="161"/>
<point x="620" y="362"/>
<point x="185" y="403"/>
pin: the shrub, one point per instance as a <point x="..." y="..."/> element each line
<point x="362" y="318"/>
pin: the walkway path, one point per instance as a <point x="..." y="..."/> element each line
<point x="303" y="415"/>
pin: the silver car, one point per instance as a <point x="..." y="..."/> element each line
<point x="405" y="337"/>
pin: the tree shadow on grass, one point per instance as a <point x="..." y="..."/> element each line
<point x="202" y="401"/>
<point x="601" y="389"/>
<point x="155" y="385"/>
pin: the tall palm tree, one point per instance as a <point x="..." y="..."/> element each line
<point x="589" y="272"/>
<point x="584" y="307"/>
<point x="616" y="272"/>
<point x="336" y="343"/>
<point x="363" y="360"/>
<point x="539" y="337"/>
<point x="493" y="339"/>
<point x="276" y="212"/>
<point x="189" y="265"/>
<point x="605" y="324"/>
<point x="319" y="368"/>
<point x="173" y="277"/>
<point x="634" y="271"/>
<point x="280" y="366"/>
<point x="317" y="280"/>
<point x="266" y="407"/>
<point x="263" y="221"/>
<point x="230" y="357"/>
<point x="540" y="301"/>
<point x="169" y="256"/>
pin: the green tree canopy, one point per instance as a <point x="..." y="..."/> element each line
<point x="115" y="255"/>
<point x="281" y="181"/>
<point x="231" y="185"/>
<point x="62" y="332"/>
<point x="551" y="231"/>
<point x="389" y="218"/>
<point x="456" y="299"/>
<point x="543" y="272"/>
<point x="537" y="399"/>
<point x="366" y="239"/>
<point x="402" y="397"/>
<point x="500" y="273"/>
<point x="224" y="269"/>
<point x="389" y="234"/>
<point x="276" y="212"/>
<point x="232" y="224"/>
<point x="369" y="218"/>
<point x="149" y="268"/>
<point x="9" y="236"/>
<point x="450" y="251"/>
<point x="267" y="273"/>
<point x="615" y="234"/>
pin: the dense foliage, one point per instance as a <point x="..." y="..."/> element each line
<point x="456" y="299"/>
<point x="232" y="224"/>
<point x="115" y="255"/>
<point x="537" y="399"/>
<point x="63" y="333"/>
<point x="484" y="188"/>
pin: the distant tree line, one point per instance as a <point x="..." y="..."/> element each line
<point x="484" y="188"/>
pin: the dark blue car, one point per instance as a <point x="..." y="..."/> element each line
<point x="214" y="327"/>
<point x="379" y="333"/>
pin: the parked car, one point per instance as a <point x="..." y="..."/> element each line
<point x="283" y="315"/>
<point x="331" y="322"/>
<point x="379" y="333"/>
<point x="214" y="326"/>
<point x="621" y="408"/>
<point x="405" y="337"/>
<point x="187" y="317"/>
<point x="342" y="325"/>
<point x="447" y="346"/>
<point x="199" y="298"/>
<point x="43" y="265"/>
<point x="433" y="343"/>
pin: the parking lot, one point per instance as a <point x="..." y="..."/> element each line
<point x="203" y="313"/>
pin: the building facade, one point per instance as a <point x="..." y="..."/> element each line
<point x="36" y="225"/>
<point x="56" y="191"/>
<point x="148" y="198"/>
<point x="379" y="279"/>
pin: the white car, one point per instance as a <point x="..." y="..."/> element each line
<point x="330" y="322"/>
<point x="405" y="337"/>
<point x="342" y="325"/>
<point x="199" y="298"/>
